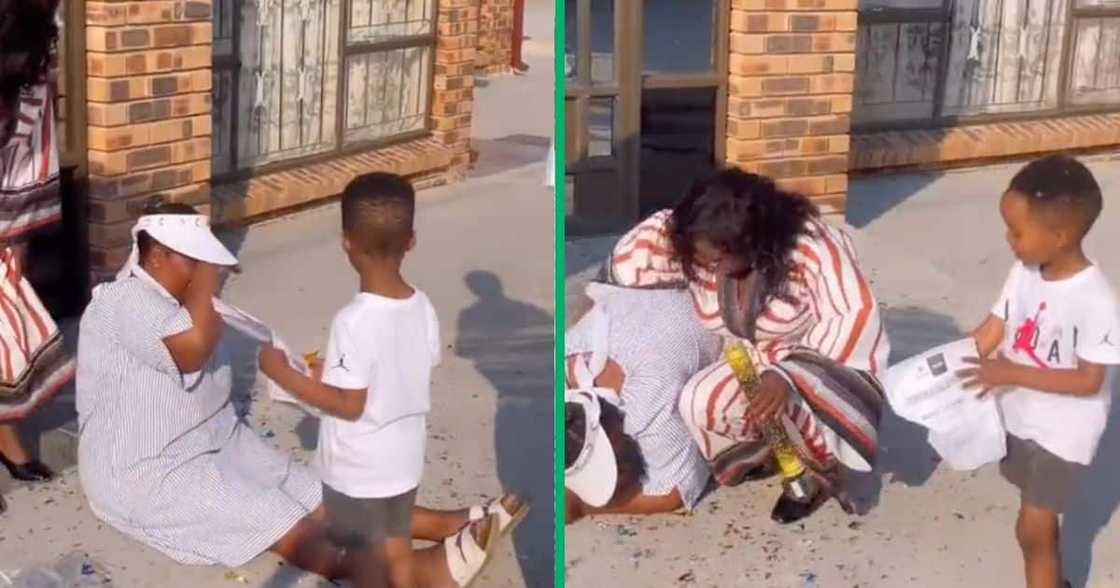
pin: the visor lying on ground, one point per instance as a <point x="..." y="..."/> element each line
<point x="593" y="474"/>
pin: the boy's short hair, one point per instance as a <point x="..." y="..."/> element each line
<point x="158" y="205"/>
<point x="1062" y="189"/>
<point x="377" y="213"/>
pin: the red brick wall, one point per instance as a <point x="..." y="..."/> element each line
<point x="974" y="144"/>
<point x="453" y="98"/>
<point x="148" y="88"/>
<point x="792" y="68"/>
<point x="495" y="36"/>
<point x="149" y="126"/>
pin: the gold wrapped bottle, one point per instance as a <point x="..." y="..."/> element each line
<point x="796" y="484"/>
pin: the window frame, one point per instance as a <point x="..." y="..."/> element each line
<point x="231" y="62"/>
<point x="944" y="14"/>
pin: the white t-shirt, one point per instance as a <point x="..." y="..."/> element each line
<point x="1050" y="324"/>
<point x="388" y="347"/>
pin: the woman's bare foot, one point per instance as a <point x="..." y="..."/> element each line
<point x="480" y="530"/>
<point x="431" y="564"/>
<point x="437" y="525"/>
<point x="511" y="502"/>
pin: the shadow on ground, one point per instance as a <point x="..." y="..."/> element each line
<point x="511" y="343"/>
<point x="905" y="455"/>
<point x="868" y="200"/>
<point x="582" y="254"/>
<point x="1096" y="502"/>
<point x="503" y="154"/>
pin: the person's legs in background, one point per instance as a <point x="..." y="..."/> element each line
<point x="16" y="458"/>
<point x="518" y="64"/>
<point x="13" y="453"/>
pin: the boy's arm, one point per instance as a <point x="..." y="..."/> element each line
<point x="338" y="402"/>
<point x="1084" y="380"/>
<point x="988" y="335"/>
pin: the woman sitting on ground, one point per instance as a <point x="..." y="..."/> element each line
<point x="637" y="348"/>
<point x="163" y="456"/>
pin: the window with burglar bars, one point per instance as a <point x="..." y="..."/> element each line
<point x="297" y="78"/>
<point x="924" y="63"/>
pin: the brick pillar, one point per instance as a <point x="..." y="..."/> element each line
<point x="495" y="36"/>
<point x="453" y="95"/>
<point x="792" y="68"/>
<point x="148" y="87"/>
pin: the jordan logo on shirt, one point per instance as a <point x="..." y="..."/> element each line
<point x="1026" y="338"/>
<point x="341" y="363"/>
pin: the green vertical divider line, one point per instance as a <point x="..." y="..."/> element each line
<point x="558" y="292"/>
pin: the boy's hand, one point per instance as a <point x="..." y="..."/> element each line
<point x="989" y="373"/>
<point x="315" y="364"/>
<point x="272" y="361"/>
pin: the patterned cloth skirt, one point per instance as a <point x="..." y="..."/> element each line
<point x="34" y="365"/>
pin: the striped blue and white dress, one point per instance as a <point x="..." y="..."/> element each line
<point x="655" y="337"/>
<point x="163" y="456"/>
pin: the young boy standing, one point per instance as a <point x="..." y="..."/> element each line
<point x="375" y="386"/>
<point x="1056" y="326"/>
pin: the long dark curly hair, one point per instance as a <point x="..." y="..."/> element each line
<point x="747" y="216"/>
<point x="28" y="36"/>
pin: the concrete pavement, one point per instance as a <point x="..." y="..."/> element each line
<point x="485" y="257"/>
<point x="933" y="246"/>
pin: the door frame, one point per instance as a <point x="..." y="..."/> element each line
<point x="628" y="82"/>
<point x="71" y="68"/>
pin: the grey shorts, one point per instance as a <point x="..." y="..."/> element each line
<point x="357" y="522"/>
<point x="1044" y="479"/>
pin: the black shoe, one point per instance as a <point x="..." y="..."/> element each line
<point x="32" y="471"/>
<point x="788" y="510"/>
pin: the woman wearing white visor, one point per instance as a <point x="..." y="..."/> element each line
<point x="163" y="456"/>
<point x="628" y="450"/>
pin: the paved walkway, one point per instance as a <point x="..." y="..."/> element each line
<point x="933" y="246"/>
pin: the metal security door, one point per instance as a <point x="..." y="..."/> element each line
<point x="645" y="100"/>
<point x="603" y="111"/>
<point x="275" y="97"/>
<point x="300" y="78"/>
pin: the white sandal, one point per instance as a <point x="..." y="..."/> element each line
<point x="465" y="557"/>
<point x="506" y="520"/>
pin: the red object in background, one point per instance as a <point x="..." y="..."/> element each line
<point x="518" y="34"/>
